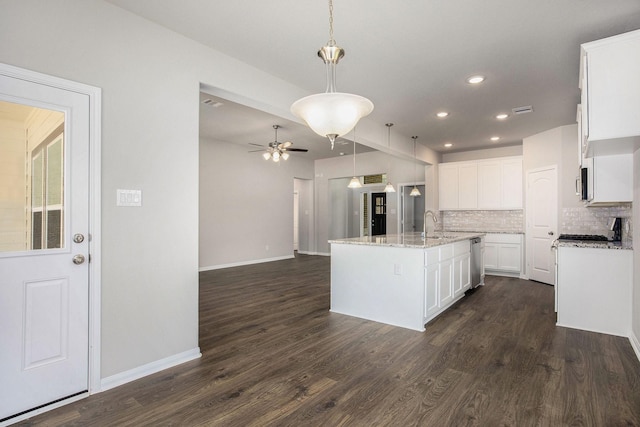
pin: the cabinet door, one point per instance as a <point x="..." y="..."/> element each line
<point x="448" y="186"/>
<point x="431" y="297"/>
<point x="509" y="257"/>
<point x="491" y="256"/>
<point x="465" y="271"/>
<point x="489" y="185"/>
<point x="511" y="184"/>
<point x="461" y="274"/>
<point x="445" y="287"/>
<point x="468" y="186"/>
<point x="613" y="87"/>
<point x="613" y="179"/>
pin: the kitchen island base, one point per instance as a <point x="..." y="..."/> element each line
<point x="404" y="286"/>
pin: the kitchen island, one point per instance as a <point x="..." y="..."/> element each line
<point x="401" y="280"/>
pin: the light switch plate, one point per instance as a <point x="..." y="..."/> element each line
<point x="128" y="197"/>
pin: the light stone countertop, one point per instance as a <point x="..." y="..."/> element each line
<point x="409" y="240"/>
<point x="486" y="231"/>
<point x="595" y="245"/>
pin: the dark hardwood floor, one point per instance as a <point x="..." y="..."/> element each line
<point x="273" y="354"/>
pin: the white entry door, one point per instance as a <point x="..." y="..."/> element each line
<point x="44" y="244"/>
<point x="542" y="223"/>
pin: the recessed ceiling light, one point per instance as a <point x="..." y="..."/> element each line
<point x="474" y="80"/>
<point x="448" y="144"/>
<point x="442" y="114"/>
<point x="502" y="116"/>
<point x="495" y="138"/>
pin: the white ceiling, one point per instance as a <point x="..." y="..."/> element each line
<point x="411" y="58"/>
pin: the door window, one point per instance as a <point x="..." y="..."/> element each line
<point x="31" y="178"/>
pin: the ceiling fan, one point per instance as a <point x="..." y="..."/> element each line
<point x="278" y="150"/>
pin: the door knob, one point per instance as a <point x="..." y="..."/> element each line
<point x="78" y="238"/>
<point x="550" y="233"/>
<point x="78" y="259"/>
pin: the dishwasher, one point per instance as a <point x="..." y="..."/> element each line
<point x="476" y="261"/>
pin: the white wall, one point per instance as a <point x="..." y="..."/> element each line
<point x="246" y="205"/>
<point x="150" y="79"/>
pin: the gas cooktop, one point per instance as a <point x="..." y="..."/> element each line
<point x="583" y="237"/>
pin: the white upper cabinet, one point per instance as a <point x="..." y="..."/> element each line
<point x="610" y="179"/>
<point x="492" y="184"/>
<point x="609" y="71"/>
<point x="512" y="183"/>
<point x="467" y="189"/>
<point x="448" y="186"/>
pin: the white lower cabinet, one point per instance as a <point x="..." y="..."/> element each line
<point x="594" y="289"/>
<point x="447" y="276"/>
<point x="503" y="254"/>
<point x="461" y="274"/>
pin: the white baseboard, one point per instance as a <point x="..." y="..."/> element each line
<point x="635" y="343"/>
<point x="241" y="263"/>
<point x="314" y="253"/>
<point x="148" y="369"/>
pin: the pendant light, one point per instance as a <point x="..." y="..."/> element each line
<point x="331" y="114"/>
<point x="389" y="187"/>
<point x="355" y="181"/>
<point x="414" y="192"/>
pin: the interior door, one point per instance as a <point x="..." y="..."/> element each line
<point x="542" y="223"/>
<point x="44" y="249"/>
<point x="378" y="214"/>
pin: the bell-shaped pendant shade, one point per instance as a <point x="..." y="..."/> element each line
<point x="355" y="183"/>
<point x="415" y="192"/>
<point x="332" y="113"/>
<point x="389" y="188"/>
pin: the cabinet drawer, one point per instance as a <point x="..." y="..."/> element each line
<point x="514" y="239"/>
<point x="462" y="247"/>
<point x="431" y="256"/>
<point x="446" y="252"/>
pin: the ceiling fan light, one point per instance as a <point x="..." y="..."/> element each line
<point x="355" y="183"/>
<point x="285" y="156"/>
<point x="276" y="156"/>
<point x="415" y="192"/>
<point x="333" y="113"/>
<point x="389" y="188"/>
<point x="266" y="155"/>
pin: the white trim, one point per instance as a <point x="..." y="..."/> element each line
<point x="150" y="368"/>
<point x="95" y="173"/>
<point x="241" y="263"/>
<point x="635" y="344"/>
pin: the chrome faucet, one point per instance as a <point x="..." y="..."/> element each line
<point x="424" y="222"/>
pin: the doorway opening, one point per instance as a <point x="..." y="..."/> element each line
<point x="412" y="209"/>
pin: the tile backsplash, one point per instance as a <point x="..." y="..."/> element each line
<point x="596" y="220"/>
<point x="500" y="221"/>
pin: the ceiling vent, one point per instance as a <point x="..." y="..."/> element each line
<point x="522" y="110"/>
<point x="212" y="103"/>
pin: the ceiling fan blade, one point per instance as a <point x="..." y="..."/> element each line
<point x="257" y="145"/>
<point x="303" y="150"/>
<point x="286" y="144"/>
<point x="254" y="151"/>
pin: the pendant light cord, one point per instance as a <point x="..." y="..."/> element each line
<point x="332" y="42"/>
